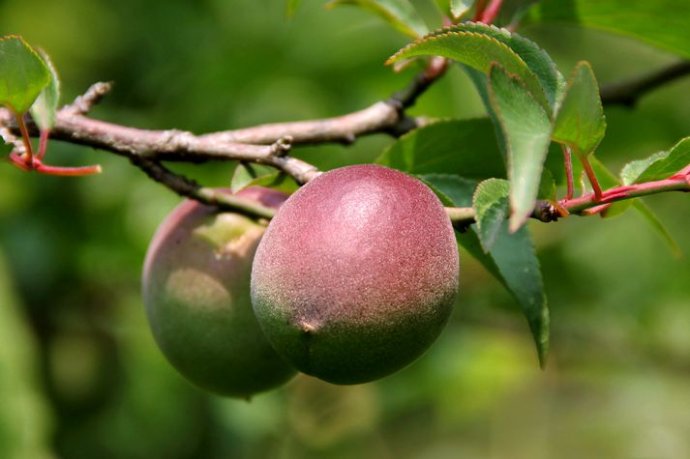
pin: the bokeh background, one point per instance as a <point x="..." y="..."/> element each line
<point x="80" y="376"/>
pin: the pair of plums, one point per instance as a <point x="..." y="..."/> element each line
<point x="352" y="280"/>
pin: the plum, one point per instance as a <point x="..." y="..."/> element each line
<point x="356" y="275"/>
<point x="196" y="291"/>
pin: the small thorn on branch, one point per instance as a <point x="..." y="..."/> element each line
<point x="84" y="103"/>
<point x="282" y="146"/>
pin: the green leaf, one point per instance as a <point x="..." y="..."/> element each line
<point x="580" y="122"/>
<point x="661" y="23"/>
<point x="44" y="109"/>
<point x="490" y="202"/>
<point x="527" y="132"/>
<point x="5" y="148"/>
<point x="23" y="74"/>
<point x="247" y="175"/>
<point x="511" y="259"/>
<point x="473" y="46"/>
<point x="658" y="166"/>
<point x="291" y="7"/>
<point x="458" y="8"/>
<point x="464" y="147"/>
<point x="536" y="59"/>
<point x="515" y="256"/>
<point x="398" y="13"/>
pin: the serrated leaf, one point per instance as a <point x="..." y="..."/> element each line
<point x="512" y="260"/>
<point x="464" y="147"/>
<point x="476" y="49"/>
<point x="580" y="122"/>
<point x="658" y="166"/>
<point x="291" y="7"/>
<point x="44" y="109"/>
<point x="536" y="59"/>
<point x="490" y="202"/>
<point x="661" y="23"/>
<point x="527" y="132"/>
<point x="398" y="13"/>
<point x="23" y="74"/>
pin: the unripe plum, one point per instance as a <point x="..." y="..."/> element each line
<point x="356" y="274"/>
<point x="196" y="293"/>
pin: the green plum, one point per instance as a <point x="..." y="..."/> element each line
<point x="196" y="282"/>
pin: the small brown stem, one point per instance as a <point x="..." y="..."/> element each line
<point x="628" y="92"/>
<point x="26" y="139"/>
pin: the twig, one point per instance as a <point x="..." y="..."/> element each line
<point x="588" y="204"/>
<point x="628" y="92"/>
<point x="189" y="188"/>
<point x="84" y="103"/>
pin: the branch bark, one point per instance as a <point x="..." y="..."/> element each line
<point x="628" y="92"/>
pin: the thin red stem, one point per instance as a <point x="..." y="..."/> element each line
<point x="42" y="144"/>
<point x="620" y="193"/>
<point x="568" y="161"/>
<point x="491" y="12"/>
<point x="479" y="11"/>
<point x="17" y="160"/>
<point x="592" y="177"/>
<point x="67" y="171"/>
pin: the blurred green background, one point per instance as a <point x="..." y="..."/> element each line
<point x="80" y="376"/>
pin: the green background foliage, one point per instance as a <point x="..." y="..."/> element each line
<point x="80" y="376"/>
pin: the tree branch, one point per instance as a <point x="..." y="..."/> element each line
<point x="266" y="144"/>
<point x="628" y="92"/>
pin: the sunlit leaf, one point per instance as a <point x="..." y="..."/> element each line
<point x="459" y="8"/>
<point x="23" y="74"/>
<point x="398" y="13"/>
<point x="580" y="122"/>
<point x="465" y="147"/>
<point x="477" y="50"/>
<point x="658" y="166"/>
<point x="536" y="59"/>
<point x="511" y="259"/>
<point x="44" y="109"/>
<point x="527" y="132"/>
<point x="661" y="23"/>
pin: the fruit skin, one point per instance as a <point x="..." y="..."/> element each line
<point x="356" y="274"/>
<point x="196" y="293"/>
